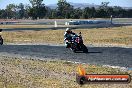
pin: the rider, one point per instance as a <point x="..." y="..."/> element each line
<point x="68" y="36"/>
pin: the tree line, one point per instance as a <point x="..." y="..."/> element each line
<point x="64" y="10"/>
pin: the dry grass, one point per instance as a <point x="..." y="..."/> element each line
<point x="30" y="73"/>
<point x="46" y="36"/>
<point x="117" y="35"/>
<point x="25" y="26"/>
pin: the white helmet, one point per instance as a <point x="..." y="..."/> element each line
<point x="68" y="29"/>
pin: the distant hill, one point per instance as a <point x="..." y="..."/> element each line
<point x="127" y="7"/>
<point x="76" y="5"/>
<point x="52" y="6"/>
<point x="81" y="5"/>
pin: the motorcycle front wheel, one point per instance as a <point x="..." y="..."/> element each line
<point x="73" y="48"/>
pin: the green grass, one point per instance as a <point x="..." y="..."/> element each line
<point x="25" y="73"/>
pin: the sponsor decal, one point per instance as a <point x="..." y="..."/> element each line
<point x="83" y="78"/>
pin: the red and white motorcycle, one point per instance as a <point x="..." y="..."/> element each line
<point x="76" y="44"/>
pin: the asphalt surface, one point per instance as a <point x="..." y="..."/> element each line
<point x="114" y="56"/>
<point x="102" y="25"/>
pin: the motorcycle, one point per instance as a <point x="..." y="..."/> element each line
<point x="76" y="44"/>
<point x="1" y="40"/>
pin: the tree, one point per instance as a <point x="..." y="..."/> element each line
<point x="3" y="14"/>
<point x="104" y="5"/>
<point x="110" y="11"/>
<point x="89" y="12"/>
<point x="48" y="12"/>
<point x="38" y="9"/>
<point x="118" y="11"/>
<point x="53" y="13"/>
<point x="104" y="10"/>
<point x="64" y="9"/>
<point x="11" y="11"/>
<point x="101" y="13"/>
<point x="36" y="3"/>
<point x="93" y="12"/>
<point x="27" y="10"/>
<point x="129" y="13"/>
<point x="21" y="11"/>
<point x="77" y="13"/>
<point x="86" y="12"/>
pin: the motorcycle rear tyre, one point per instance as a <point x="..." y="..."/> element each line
<point x="85" y="50"/>
<point x="1" y="42"/>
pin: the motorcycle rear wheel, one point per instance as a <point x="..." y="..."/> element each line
<point x="85" y="50"/>
<point x="1" y="42"/>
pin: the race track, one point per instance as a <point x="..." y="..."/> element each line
<point x="114" y="56"/>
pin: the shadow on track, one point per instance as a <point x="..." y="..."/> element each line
<point x="89" y="52"/>
<point x="95" y="52"/>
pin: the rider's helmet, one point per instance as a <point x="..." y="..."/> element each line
<point x="68" y="30"/>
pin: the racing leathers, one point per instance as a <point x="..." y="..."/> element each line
<point x="68" y="38"/>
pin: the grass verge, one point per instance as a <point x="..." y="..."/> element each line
<point x="25" y="26"/>
<point x="115" y="35"/>
<point x="30" y="73"/>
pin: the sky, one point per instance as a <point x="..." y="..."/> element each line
<point x="123" y="3"/>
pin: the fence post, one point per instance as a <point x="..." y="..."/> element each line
<point x="111" y="19"/>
